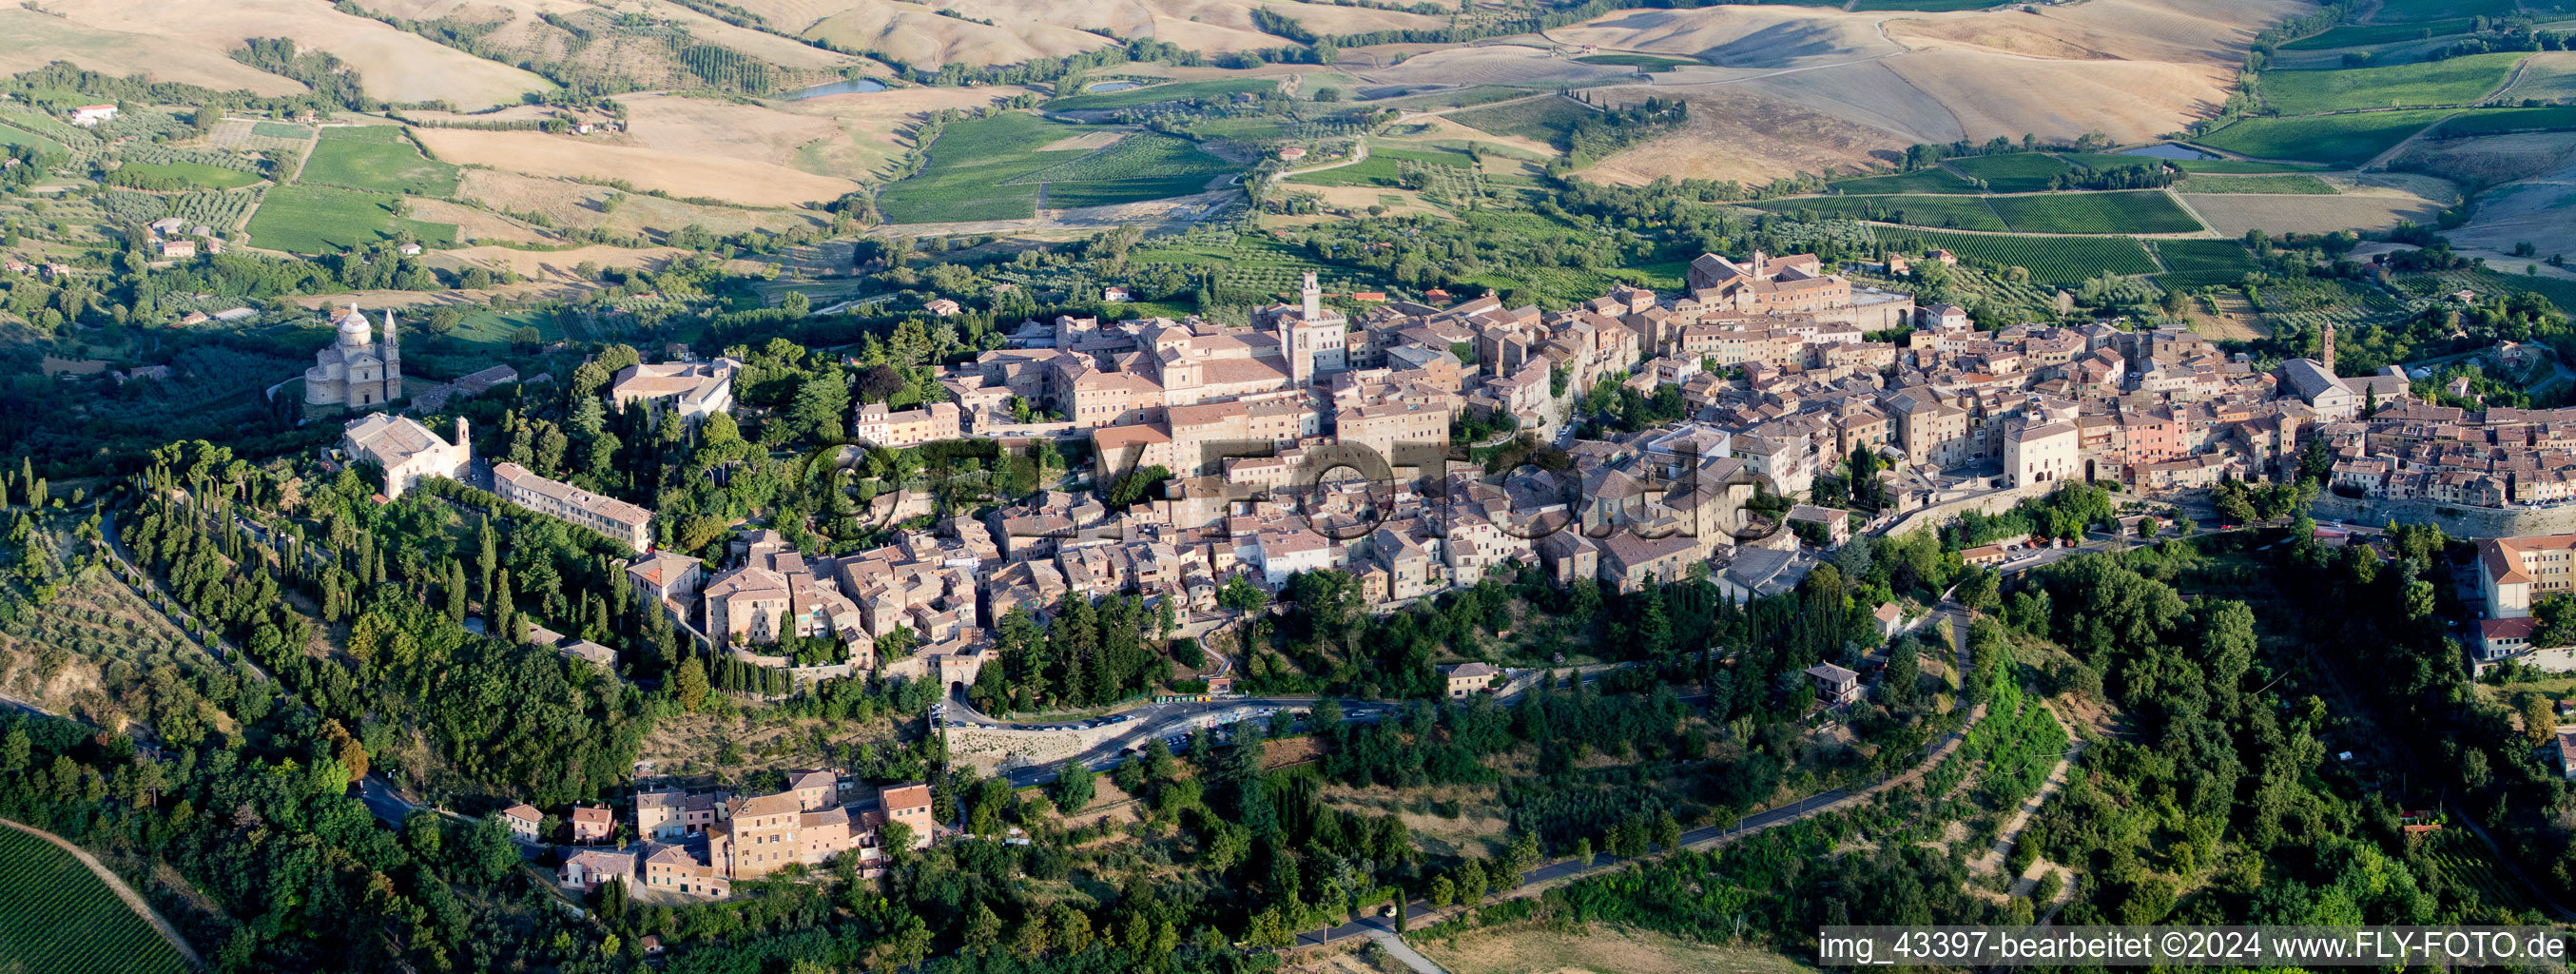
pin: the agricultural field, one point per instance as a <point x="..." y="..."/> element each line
<point x="2021" y="172"/>
<point x="2052" y="261"/>
<point x="315" y="220"/>
<point x="1222" y="89"/>
<point x="191" y="173"/>
<point x="1933" y="180"/>
<point x="1136" y="156"/>
<point x="1543" y="120"/>
<point x="377" y="157"/>
<point x="1649" y="62"/>
<point x="2146" y="211"/>
<point x="2203" y="263"/>
<point x="1383" y="167"/>
<point x="222" y="211"/>
<point x="2423" y="12"/>
<point x="2241" y="166"/>
<point x="13" y="136"/>
<point x="58" y="918"/>
<point x="281" y="130"/>
<point x="1947" y="212"/>
<point x="1141" y="189"/>
<point x="2357" y="35"/>
<point x="2498" y="121"/>
<point x="2279" y="183"/>
<point x="969" y="166"/>
<point x="2339" y="140"/>
<point x="2456" y="81"/>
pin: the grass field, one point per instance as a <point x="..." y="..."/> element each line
<point x="2280" y="183"/>
<point x="2052" y="261"/>
<point x="193" y="173"/>
<point x="314" y="220"/>
<point x="1538" y="119"/>
<point x="280" y="130"/>
<point x="2356" y="35"/>
<point x="2132" y="212"/>
<point x="2423" y="11"/>
<point x="1221" y="89"/>
<point x="58" y="918"/>
<point x="2456" y="81"/>
<point x="493" y="328"/>
<point x="1382" y="167"/>
<point x="376" y="157"/>
<point x="1595" y="949"/>
<point x="1934" y="180"/>
<point x="1650" y="62"/>
<point x="1948" y="212"/>
<point x="2021" y="172"/>
<point x="14" y="136"/>
<point x="2339" y="140"/>
<point x="2203" y="263"/>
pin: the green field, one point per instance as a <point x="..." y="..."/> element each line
<point x="1948" y="212"/>
<point x="2052" y="261"/>
<point x="280" y="130"/>
<point x="2020" y="172"/>
<point x="2419" y="12"/>
<point x="1219" y="90"/>
<point x="2339" y="140"/>
<point x="1538" y="119"/>
<point x="314" y="220"/>
<point x="2280" y="183"/>
<point x="1933" y="180"/>
<point x="1650" y="62"/>
<point x="2203" y="263"/>
<point x="58" y="918"/>
<point x="12" y="136"/>
<point x="2356" y="35"/>
<point x="376" y="157"/>
<point x="2457" y="81"/>
<point x="2145" y="211"/>
<point x="1382" y="167"/>
<point x="194" y="173"/>
<point x="2496" y="121"/>
<point x="968" y="165"/>
<point x="493" y="328"/>
<point x="1140" y="189"/>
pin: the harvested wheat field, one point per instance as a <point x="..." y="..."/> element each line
<point x="1598" y="949"/>
<point x="571" y="204"/>
<point x="391" y="64"/>
<point x="1207" y="25"/>
<point x="2540" y="211"/>
<point x="914" y="34"/>
<point x="872" y="128"/>
<point x="2376" y="202"/>
<point x="720" y="127"/>
<point x="1496" y="65"/>
<point x="30" y="40"/>
<point x="2129" y="69"/>
<point x="478" y="225"/>
<point x="738" y="181"/>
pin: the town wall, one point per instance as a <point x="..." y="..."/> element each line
<point x="2460" y="520"/>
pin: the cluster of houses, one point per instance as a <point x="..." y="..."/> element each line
<point x="177" y="239"/>
<point x="700" y="843"/>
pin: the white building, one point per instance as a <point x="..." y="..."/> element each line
<point x="406" y="450"/>
<point x="696" y="389"/>
<point x="626" y="523"/>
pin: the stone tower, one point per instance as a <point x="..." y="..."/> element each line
<point x="2325" y="351"/>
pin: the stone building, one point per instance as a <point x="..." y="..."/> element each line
<point x="356" y="371"/>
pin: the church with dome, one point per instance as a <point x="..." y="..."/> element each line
<point x="356" y="371"/>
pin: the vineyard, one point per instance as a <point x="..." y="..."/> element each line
<point x="2020" y="172"/>
<point x="2279" y="183"/>
<point x="1250" y="267"/>
<point x="2203" y="263"/>
<point x="2051" y="261"/>
<point x="222" y="211"/>
<point x="1934" y="180"/>
<point x="1136" y="156"/>
<point x="2137" y="212"/>
<point x="1949" y="212"/>
<point x="153" y="153"/>
<point x="57" y="917"/>
<point x="2345" y="140"/>
<point x="177" y="176"/>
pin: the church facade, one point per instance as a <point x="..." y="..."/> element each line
<point x="356" y="371"/>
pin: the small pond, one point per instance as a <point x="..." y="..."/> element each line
<point x="1105" y="87"/>
<point x="853" y="86"/>
<point x="2167" y="150"/>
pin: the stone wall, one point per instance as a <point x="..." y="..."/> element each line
<point x="2461" y="520"/>
<point x="1989" y="503"/>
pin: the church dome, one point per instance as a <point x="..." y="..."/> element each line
<point x="353" y="327"/>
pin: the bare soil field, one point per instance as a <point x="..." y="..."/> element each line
<point x="744" y="182"/>
<point x="31" y="40"/>
<point x="1597" y="950"/>
<point x="2546" y="75"/>
<point x="875" y="127"/>
<point x="516" y="26"/>
<point x="1834" y="89"/>
<point x="2360" y="208"/>
<point x="393" y="65"/>
<point x="718" y="127"/>
<point x="1018" y="30"/>
<point x="2491" y="160"/>
<point x="477" y="224"/>
<point x="2540" y="210"/>
<point x="550" y="265"/>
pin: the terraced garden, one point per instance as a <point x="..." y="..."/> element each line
<point x="58" y="918"/>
